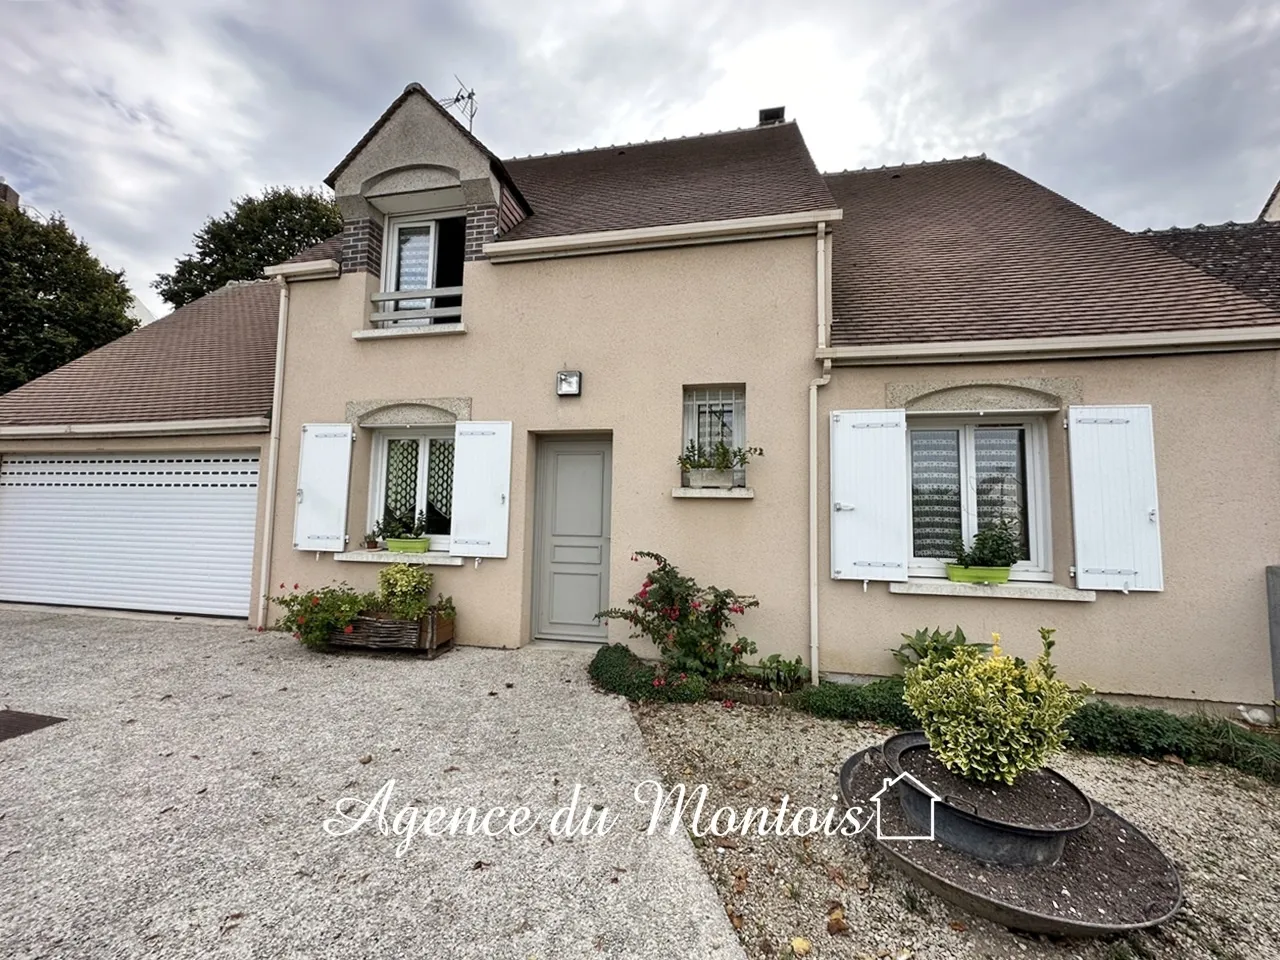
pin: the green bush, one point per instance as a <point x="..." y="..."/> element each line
<point x="879" y="701"/>
<point x="991" y="718"/>
<point x="404" y="590"/>
<point x="922" y="644"/>
<point x="686" y="622"/>
<point x="1103" y="727"/>
<point x="617" y="669"/>
<point x="312" y="615"/>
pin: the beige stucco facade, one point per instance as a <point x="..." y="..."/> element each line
<point x="640" y="326"/>
<point x="1205" y="636"/>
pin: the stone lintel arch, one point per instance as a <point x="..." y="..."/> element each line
<point x="431" y="411"/>
<point x="1029" y="394"/>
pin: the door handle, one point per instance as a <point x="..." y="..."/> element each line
<point x="838" y="506"/>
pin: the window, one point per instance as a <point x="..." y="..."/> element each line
<point x="967" y="474"/>
<point x="422" y="253"/>
<point x="413" y="474"/>
<point x="713" y="415"/>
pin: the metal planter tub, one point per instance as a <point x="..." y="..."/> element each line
<point x="962" y="826"/>
<point x="1007" y="894"/>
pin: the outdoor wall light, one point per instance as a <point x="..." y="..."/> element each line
<point x="569" y="383"/>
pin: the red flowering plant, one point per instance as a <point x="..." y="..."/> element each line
<point x="692" y="626"/>
<point x="312" y="615"/>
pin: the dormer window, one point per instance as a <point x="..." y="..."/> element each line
<point x="422" y="270"/>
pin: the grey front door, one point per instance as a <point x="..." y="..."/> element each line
<point x="571" y="575"/>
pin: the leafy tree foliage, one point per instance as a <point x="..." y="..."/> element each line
<point x="255" y="233"/>
<point x="57" y="301"/>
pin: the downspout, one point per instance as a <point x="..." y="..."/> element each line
<point x="273" y="455"/>
<point x="821" y="381"/>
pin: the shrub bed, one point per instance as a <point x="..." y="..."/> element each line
<point x="617" y="669"/>
<point x="1098" y="727"/>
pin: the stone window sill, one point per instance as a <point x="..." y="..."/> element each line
<point x="713" y="493"/>
<point x="409" y="330"/>
<point x="1001" y="591"/>
<point x="434" y="559"/>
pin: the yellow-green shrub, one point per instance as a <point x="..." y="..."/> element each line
<point x="992" y="718"/>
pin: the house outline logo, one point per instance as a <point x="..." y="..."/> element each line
<point x="933" y="801"/>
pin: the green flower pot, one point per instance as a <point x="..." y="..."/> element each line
<point x="959" y="574"/>
<point x="408" y="544"/>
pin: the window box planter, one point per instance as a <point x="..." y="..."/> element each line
<point x="408" y="544"/>
<point x="959" y="574"/>
<point x="704" y="479"/>
<point x="433" y="634"/>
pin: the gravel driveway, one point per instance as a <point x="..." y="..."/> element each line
<point x="1221" y="828"/>
<point x="179" y="812"/>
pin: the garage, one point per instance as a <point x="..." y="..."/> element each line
<point x="162" y="532"/>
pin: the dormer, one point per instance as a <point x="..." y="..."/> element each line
<point x="420" y="196"/>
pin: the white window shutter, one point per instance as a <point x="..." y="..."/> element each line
<point x="481" y="489"/>
<point x="1113" y="497"/>
<point x="324" y="472"/>
<point x="870" y="495"/>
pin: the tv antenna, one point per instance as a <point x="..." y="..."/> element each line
<point x="464" y="101"/>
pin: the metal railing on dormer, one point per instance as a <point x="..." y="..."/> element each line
<point x="383" y="316"/>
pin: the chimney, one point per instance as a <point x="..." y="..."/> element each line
<point x="771" y="115"/>
<point x="8" y="194"/>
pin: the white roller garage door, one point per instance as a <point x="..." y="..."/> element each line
<point x="170" y="533"/>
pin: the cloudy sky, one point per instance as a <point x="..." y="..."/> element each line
<point x="139" y="118"/>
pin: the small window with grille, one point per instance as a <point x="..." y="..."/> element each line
<point x="716" y="415"/>
<point x="412" y="477"/>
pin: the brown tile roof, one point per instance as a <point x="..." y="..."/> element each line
<point x="721" y="176"/>
<point x="417" y="89"/>
<point x="210" y="359"/>
<point x="330" y="249"/>
<point x="971" y="250"/>
<point x="1245" y="255"/>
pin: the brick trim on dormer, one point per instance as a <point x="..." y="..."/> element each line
<point x="482" y="225"/>
<point x="362" y="246"/>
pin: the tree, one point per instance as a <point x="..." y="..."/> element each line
<point x="57" y="301"/>
<point x="255" y="233"/>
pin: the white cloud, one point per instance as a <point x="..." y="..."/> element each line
<point x="139" y="118"/>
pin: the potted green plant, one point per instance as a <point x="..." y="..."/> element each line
<point x="989" y="724"/>
<point x="371" y="539"/>
<point x="404" y="533"/>
<point x="400" y="615"/>
<point x="713" y="466"/>
<point x="996" y="548"/>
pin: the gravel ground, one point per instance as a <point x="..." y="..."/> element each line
<point x="178" y="813"/>
<point x="1221" y="828"/>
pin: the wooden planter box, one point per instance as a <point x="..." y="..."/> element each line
<point x="432" y="635"/>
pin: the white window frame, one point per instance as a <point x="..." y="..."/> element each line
<point x="378" y="473"/>
<point x="1040" y="566"/>
<point x="391" y="257"/>
<point x="738" y="399"/>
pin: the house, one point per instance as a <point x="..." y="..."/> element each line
<point x="518" y="349"/>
